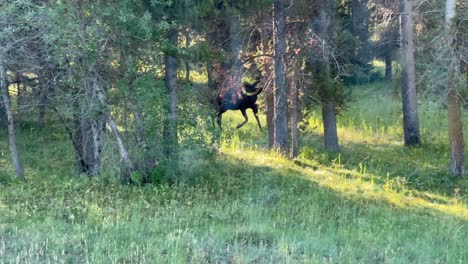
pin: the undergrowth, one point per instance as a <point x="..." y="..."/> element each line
<point x="374" y="202"/>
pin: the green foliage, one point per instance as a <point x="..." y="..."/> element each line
<point x="376" y="201"/>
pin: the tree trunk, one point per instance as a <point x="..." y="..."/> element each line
<point x="19" y="95"/>
<point x="96" y="129"/>
<point x="87" y="144"/>
<point x="42" y="102"/>
<point x="455" y="121"/>
<point x="408" y="77"/>
<point x="294" y="113"/>
<point x="187" y="45"/>
<point x="149" y="160"/>
<point x="170" y="62"/>
<point x="280" y="111"/>
<point x="388" y="67"/>
<point x="330" y="133"/>
<point x="115" y="131"/>
<point x="269" y="98"/>
<point x="11" y="125"/>
<point x="235" y="65"/>
<point x="321" y="68"/>
<point x="360" y="20"/>
<point x="3" y="115"/>
<point x="455" y="126"/>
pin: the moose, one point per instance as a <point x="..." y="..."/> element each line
<point x="239" y="98"/>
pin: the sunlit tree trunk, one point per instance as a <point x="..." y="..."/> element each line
<point x="408" y="77"/>
<point x="455" y="124"/>
<point x="11" y="125"/>
<point x="280" y="113"/>
<point x="294" y="112"/>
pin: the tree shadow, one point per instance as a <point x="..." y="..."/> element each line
<point x="423" y="168"/>
<point x="337" y="182"/>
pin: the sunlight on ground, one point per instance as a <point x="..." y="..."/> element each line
<point x="351" y="184"/>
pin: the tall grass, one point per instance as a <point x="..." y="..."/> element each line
<point x="374" y="202"/>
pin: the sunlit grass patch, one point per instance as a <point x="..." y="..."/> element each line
<point x="358" y="184"/>
<point x="374" y="202"/>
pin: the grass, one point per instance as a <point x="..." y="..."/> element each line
<point x="375" y="202"/>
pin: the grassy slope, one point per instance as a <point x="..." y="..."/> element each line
<point x="376" y="202"/>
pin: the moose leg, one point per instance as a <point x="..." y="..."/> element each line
<point x="245" y="116"/>
<point x="255" y="111"/>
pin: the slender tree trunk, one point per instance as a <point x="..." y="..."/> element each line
<point x="88" y="145"/>
<point x="235" y="65"/>
<point x="388" y="67"/>
<point x="140" y="130"/>
<point x="149" y="160"/>
<point x="3" y="115"/>
<point x="124" y="155"/>
<point x="455" y="126"/>
<point x="329" y="126"/>
<point x="294" y="113"/>
<point x="11" y="125"/>
<point x="269" y="98"/>
<point x="187" y="45"/>
<point x="170" y="62"/>
<point x="42" y="102"/>
<point x="96" y="155"/>
<point x="455" y="121"/>
<point x="280" y="113"/>
<point x="408" y="77"/>
<point x="19" y="95"/>
<point x="122" y="149"/>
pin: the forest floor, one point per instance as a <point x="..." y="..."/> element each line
<point x="374" y="202"/>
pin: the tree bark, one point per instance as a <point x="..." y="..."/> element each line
<point x="329" y="125"/>
<point x="96" y="129"/>
<point x="87" y="144"/>
<point x="455" y="126"/>
<point x="235" y="65"/>
<point x="11" y="124"/>
<point x="280" y="111"/>
<point x="408" y="77"/>
<point x="269" y="98"/>
<point x="388" y="67"/>
<point x="42" y="102"/>
<point x="19" y="95"/>
<point x="187" y="45"/>
<point x="3" y="115"/>
<point x="455" y="121"/>
<point x="124" y="155"/>
<point x="323" y="25"/>
<point x="294" y="113"/>
<point x="170" y="62"/>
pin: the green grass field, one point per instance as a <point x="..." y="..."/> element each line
<point x="374" y="202"/>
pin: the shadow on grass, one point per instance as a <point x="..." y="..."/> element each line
<point x="246" y="206"/>
<point x="424" y="168"/>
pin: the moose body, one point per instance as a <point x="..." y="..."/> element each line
<point x="241" y="98"/>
